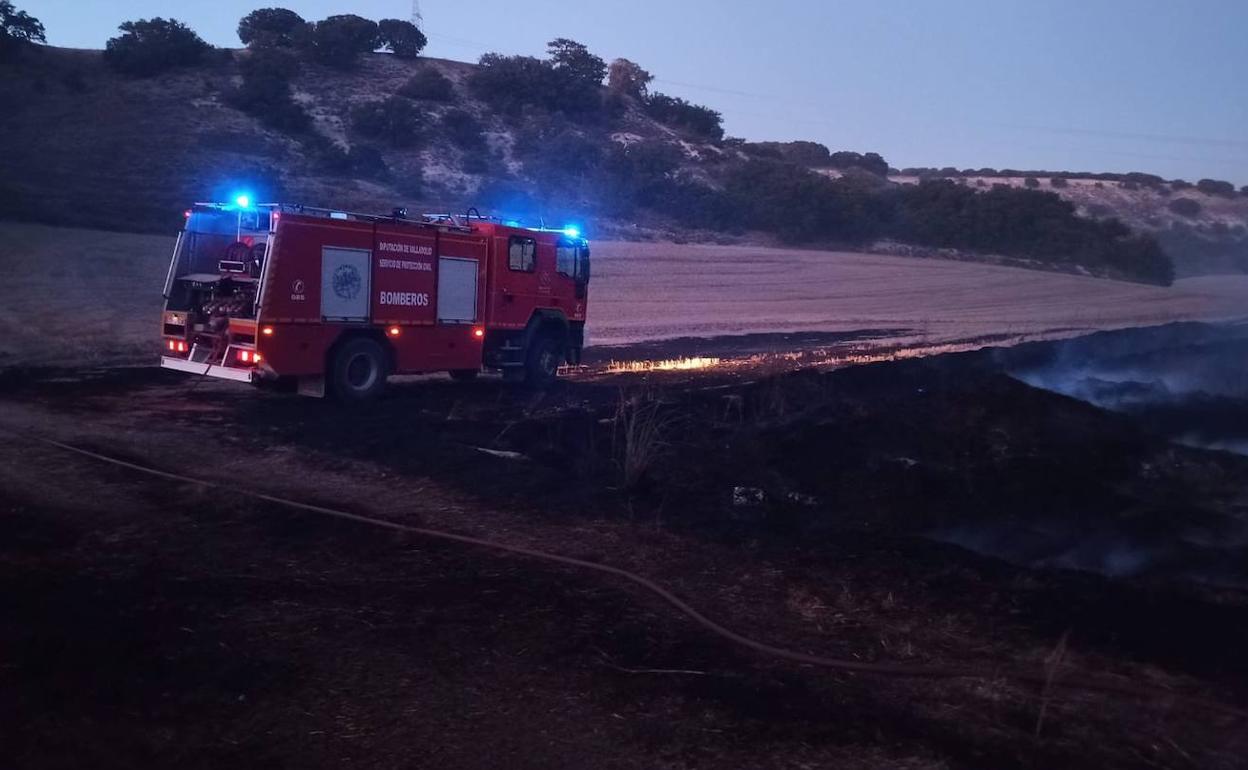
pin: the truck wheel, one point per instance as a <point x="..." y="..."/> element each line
<point x="358" y="372"/>
<point x="464" y="375"/>
<point x="542" y="365"/>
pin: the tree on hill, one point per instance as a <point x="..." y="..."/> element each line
<point x="1216" y="187"/>
<point x="340" y="40"/>
<point x="276" y="27"/>
<point x="1031" y="182"/>
<point x="510" y="83"/>
<point x="402" y="38"/>
<point x="575" y="78"/>
<point x="871" y="161"/>
<point x="576" y="62"/>
<point x="629" y="79"/>
<point x="150" y="47"/>
<point x="678" y="113"/>
<point x="801" y="153"/>
<point x="18" y="28"/>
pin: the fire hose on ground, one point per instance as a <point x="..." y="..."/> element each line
<point x="1042" y="679"/>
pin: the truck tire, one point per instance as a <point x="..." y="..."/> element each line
<point x="464" y="375"/>
<point x="358" y="372"/>
<point x="541" y="367"/>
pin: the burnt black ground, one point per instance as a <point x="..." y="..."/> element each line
<point x="146" y="624"/>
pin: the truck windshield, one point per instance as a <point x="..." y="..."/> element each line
<point x="572" y="260"/>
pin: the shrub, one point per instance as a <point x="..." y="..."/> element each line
<point x="1031" y="182"/>
<point x="340" y="40"/>
<point x="269" y="62"/>
<point x="1026" y="223"/>
<point x="464" y="131"/>
<point x="277" y="27"/>
<point x="568" y="163"/>
<point x="402" y="38"/>
<point x="1180" y="184"/>
<point x="75" y="81"/>
<point x="267" y="97"/>
<point x="1185" y="207"/>
<point x="801" y="205"/>
<point x="428" y="84"/>
<point x="1243" y="190"/>
<point x="18" y="28"/>
<point x="510" y="83"/>
<point x="1059" y="182"/>
<point x="365" y="161"/>
<point x="394" y="121"/>
<point x="678" y="113"/>
<point x="150" y="47"/>
<point x="629" y="79"/>
<point x="1216" y="187"/>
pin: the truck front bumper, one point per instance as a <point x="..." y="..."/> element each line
<point x="208" y="370"/>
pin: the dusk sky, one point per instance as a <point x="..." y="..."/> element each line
<point x="1095" y="85"/>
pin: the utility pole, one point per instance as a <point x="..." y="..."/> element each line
<point x="417" y="17"/>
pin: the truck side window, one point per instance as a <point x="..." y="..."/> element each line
<point x="565" y="260"/>
<point x="522" y="254"/>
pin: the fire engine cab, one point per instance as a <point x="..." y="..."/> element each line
<point x="319" y="301"/>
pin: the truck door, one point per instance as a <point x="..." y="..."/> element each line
<point x="522" y="278"/>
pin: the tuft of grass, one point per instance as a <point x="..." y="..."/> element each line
<point x="639" y="436"/>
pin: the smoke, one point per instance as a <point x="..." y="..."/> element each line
<point x="1185" y="383"/>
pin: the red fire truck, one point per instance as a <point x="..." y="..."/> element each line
<point x="316" y="301"/>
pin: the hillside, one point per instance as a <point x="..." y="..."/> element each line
<point x="114" y="152"/>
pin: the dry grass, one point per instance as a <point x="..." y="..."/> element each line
<point x="640" y="436"/>
<point x="71" y="296"/>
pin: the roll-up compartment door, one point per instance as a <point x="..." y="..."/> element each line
<point x="457" y="290"/>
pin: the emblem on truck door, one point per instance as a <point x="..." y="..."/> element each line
<point x="347" y="282"/>
<point x="296" y="290"/>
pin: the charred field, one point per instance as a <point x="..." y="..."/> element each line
<point x="1012" y="507"/>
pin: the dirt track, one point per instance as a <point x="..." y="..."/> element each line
<point x="74" y="296"/>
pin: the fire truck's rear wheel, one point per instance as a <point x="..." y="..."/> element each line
<point x="358" y="372"/>
<point x="542" y="366"/>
